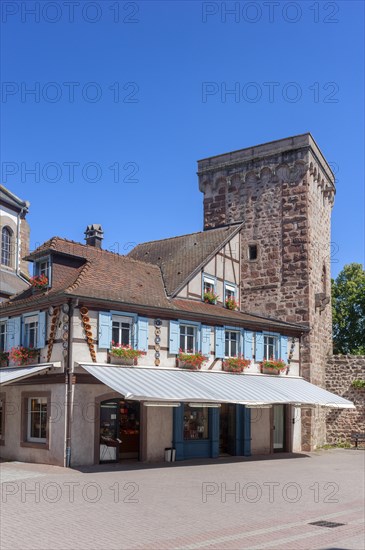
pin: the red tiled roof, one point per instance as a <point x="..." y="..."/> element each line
<point x="85" y="271"/>
<point x="228" y="316"/>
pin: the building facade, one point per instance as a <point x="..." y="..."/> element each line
<point x="15" y="235"/>
<point x="188" y="322"/>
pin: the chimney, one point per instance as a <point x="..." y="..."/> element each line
<point x="94" y="234"/>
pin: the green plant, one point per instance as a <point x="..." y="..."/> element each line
<point x="192" y="361"/>
<point x="4" y="356"/>
<point x="231" y="304"/>
<point x="210" y="297"/>
<point x="275" y="364"/>
<point x="358" y="384"/>
<point x="22" y="355"/>
<point x="348" y="310"/>
<point x="235" y="364"/>
<point x="118" y="350"/>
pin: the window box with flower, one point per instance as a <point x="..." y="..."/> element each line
<point x="210" y="297"/>
<point x="272" y="366"/>
<point x="231" y="303"/>
<point x="39" y="282"/>
<point x="235" y="364"/>
<point x="190" y="361"/>
<point x="4" y="358"/>
<point x="22" y="356"/>
<point x="120" y="354"/>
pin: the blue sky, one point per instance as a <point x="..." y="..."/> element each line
<point x="118" y="118"/>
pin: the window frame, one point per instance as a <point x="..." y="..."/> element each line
<point x="25" y="440"/>
<point x="249" y="247"/>
<point x="234" y="287"/>
<point x="4" y="323"/>
<point x="47" y="272"/>
<point x="6" y="230"/>
<point x="117" y="318"/>
<point x="194" y="336"/>
<point x="211" y="280"/>
<point x="276" y="338"/>
<point x="27" y="320"/>
<point x="238" y="341"/>
<point x="2" y="417"/>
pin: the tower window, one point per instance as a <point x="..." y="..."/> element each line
<point x="6" y="246"/>
<point x="252" y="252"/>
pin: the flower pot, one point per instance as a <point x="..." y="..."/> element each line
<point x="187" y="366"/>
<point x="117" y="360"/>
<point x="268" y="370"/>
<point x="230" y="369"/>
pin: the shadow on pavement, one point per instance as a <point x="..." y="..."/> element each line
<point x="130" y="465"/>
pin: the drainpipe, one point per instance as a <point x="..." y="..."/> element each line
<point x="69" y="386"/>
<point x="18" y="240"/>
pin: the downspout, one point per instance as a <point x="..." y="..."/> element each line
<point x="69" y="386"/>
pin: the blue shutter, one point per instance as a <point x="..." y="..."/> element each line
<point x="205" y="347"/>
<point x="41" y="329"/>
<point x="284" y="348"/>
<point x="105" y="329"/>
<point x="174" y="337"/>
<point x="13" y="329"/>
<point x="142" y="334"/>
<point x="219" y="342"/>
<point x="259" y="350"/>
<point x="248" y="344"/>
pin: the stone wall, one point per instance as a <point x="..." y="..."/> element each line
<point x="24" y="246"/>
<point x="341" y="370"/>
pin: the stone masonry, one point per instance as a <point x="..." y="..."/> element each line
<point x="341" y="371"/>
<point x="24" y="246"/>
<point x="283" y="192"/>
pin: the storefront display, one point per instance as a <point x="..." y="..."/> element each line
<point x="195" y="423"/>
<point x="119" y="430"/>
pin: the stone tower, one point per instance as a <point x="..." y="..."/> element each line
<point x="283" y="192"/>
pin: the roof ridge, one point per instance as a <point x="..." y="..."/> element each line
<point x="83" y="271"/>
<point x="51" y="243"/>
<point x="86" y="246"/>
<point x="205" y="231"/>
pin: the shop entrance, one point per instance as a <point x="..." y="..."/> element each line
<point x="119" y="430"/>
<point x="227" y="429"/>
<point x="279" y="427"/>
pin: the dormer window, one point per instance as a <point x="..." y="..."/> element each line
<point x="43" y="267"/>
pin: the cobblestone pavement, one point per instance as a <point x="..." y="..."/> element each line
<point x="221" y="504"/>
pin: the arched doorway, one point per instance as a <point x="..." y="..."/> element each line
<point x="119" y="430"/>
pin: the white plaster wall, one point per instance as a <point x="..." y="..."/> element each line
<point x="11" y="449"/>
<point x="195" y="286"/>
<point x="5" y="211"/>
<point x="83" y="422"/>
<point x="260" y="431"/>
<point x="159" y="432"/>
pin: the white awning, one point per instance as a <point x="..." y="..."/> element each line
<point x="149" y="384"/>
<point x="10" y="374"/>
